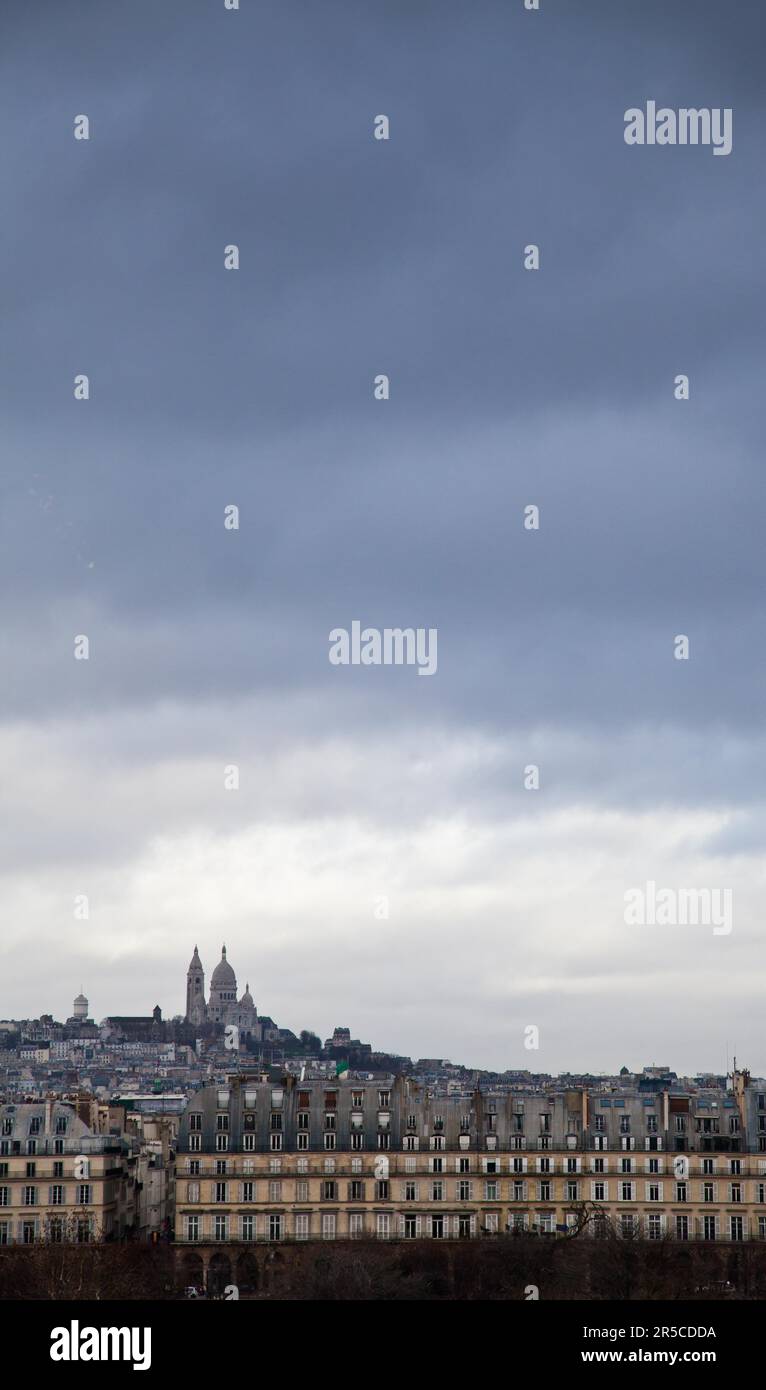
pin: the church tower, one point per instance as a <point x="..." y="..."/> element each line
<point x="196" y="1009"/>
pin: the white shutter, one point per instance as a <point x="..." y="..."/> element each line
<point x="418" y="1226"/>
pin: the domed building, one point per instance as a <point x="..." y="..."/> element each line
<point x="223" y="1006"/>
<point x="80" y="1007"/>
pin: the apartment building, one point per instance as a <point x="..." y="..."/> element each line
<point x="58" y="1180"/>
<point x="298" y="1160"/>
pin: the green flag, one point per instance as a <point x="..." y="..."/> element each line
<point x="341" y="1068"/>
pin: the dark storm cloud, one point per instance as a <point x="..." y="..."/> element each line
<point x="508" y="387"/>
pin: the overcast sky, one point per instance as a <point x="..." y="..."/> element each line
<point x="508" y="387"/>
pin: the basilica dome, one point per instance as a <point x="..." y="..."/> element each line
<point x="223" y="976"/>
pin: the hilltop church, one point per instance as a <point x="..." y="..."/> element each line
<point x="223" y="1006"/>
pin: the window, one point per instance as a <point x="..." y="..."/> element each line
<point x="329" y="1191"/>
<point x="410" y="1192"/>
<point x="490" y="1191"/>
<point x="437" y="1191"/>
<point x="356" y="1191"/>
<point x="248" y="1227"/>
<point x="221" y="1143"/>
<point x="222" y="1123"/>
<point x="437" y="1227"/>
<point x="464" y="1191"/>
<point x="382" y="1225"/>
<point x="220" y="1167"/>
<point x="356" y="1224"/>
<point x="410" y="1227"/>
<point x="275" y="1190"/>
<point x="30" y="1196"/>
<point x="302" y="1191"/>
<point x="382" y="1191"/>
<point x="220" y="1227"/>
<point x="302" y="1226"/>
<point x="248" y="1191"/>
<point x="275" y="1226"/>
<point x="329" y="1223"/>
<point x="654" y="1226"/>
<point x="708" y="1228"/>
<point x="681" y="1192"/>
<point x="736" y="1228"/>
<point x="192" y="1228"/>
<point x="682" y="1228"/>
<point x="31" y="1170"/>
<point x="220" y="1192"/>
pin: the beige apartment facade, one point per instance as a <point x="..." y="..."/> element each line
<point x="384" y="1160"/>
<point x="58" y="1180"/>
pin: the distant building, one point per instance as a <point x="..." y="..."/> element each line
<point x="222" y="1007"/>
